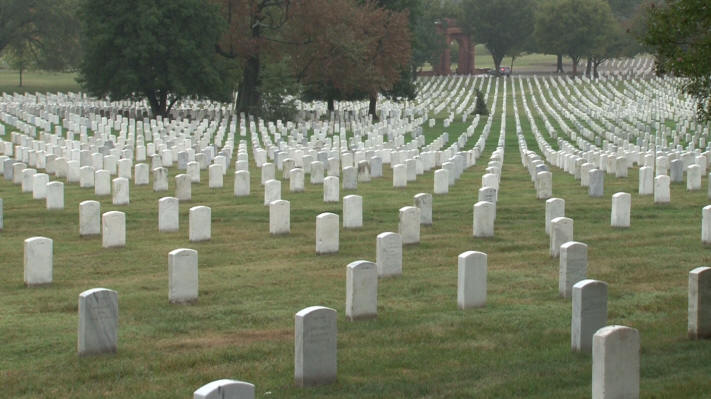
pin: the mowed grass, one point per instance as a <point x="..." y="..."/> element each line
<point x="420" y="346"/>
<point x="38" y="81"/>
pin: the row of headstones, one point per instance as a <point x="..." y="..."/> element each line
<point x="615" y="349"/>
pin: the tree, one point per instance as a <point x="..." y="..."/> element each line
<point x="678" y="34"/>
<point x="40" y="33"/>
<point x="572" y="27"/>
<point x="254" y="31"/>
<point x="501" y="25"/>
<point x="160" y="50"/>
<point x="349" y="50"/>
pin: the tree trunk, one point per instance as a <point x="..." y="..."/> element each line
<point x="497" y="63"/>
<point x="588" y="67"/>
<point x="248" y="97"/>
<point x="372" y="106"/>
<point x="329" y="101"/>
<point x="248" y="91"/>
<point x="595" y="74"/>
<point x="21" y="70"/>
<point x="559" y="64"/>
<point x="576" y="61"/>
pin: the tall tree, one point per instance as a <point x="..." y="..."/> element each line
<point x="678" y="33"/>
<point x="254" y="30"/>
<point x="349" y="50"/>
<point x="502" y="26"/>
<point x="158" y="50"/>
<point x="572" y="27"/>
<point x="43" y="33"/>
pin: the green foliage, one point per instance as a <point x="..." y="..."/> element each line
<point x="480" y="106"/>
<point x="279" y="91"/>
<point x="42" y="34"/>
<point x="573" y="27"/>
<point x="678" y="33"/>
<point x="160" y="50"/>
<point x="503" y="26"/>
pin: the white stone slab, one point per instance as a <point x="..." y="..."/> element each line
<point x="98" y="322"/>
<point x="183" y="276"/>
<point x="471" y="279"/>
<point x="315" y="346"/>
<point x="38" y="261"/>
<point x="361" y="290"/>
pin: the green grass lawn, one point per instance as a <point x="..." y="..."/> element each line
<point x="420" y="346"/>
<point x="37" y="81"/>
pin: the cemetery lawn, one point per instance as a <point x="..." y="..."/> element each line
<point x="420" y="346"/>
<point x="38" y="81"/>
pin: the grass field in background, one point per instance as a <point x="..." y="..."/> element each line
<point x="420" y="346"/>
<point x="37" y="81"/>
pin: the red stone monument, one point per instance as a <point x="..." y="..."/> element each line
<point x="451" y="32"/>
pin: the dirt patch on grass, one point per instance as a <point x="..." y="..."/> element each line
<point x="216" y="340"/>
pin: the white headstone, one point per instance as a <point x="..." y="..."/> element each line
<point x="471" y="279"/>
<point x="98" y="322"/>
<point x="89" y="218"/>
<point x="399" y="175"/>
<point x="272" y="191"/>
<point x="483" y="224"/>
<point x="423" y="201"/>
<point x="331" y="190"/>
<point x="279" y="217"/>
<point x="646" y="180"/>
<point x="544" y="185"/>
<point x="573" y="266"/>
<point x="183" y="187"/>
<point x="241" y="184"/>
<point x="621" y="206"/>
<point x="315" y="346"/>
<point x="409" y="226"/>
<point x="699" y="323"/>
<point x="183" y="275"/>
<point x="225" y="389"/>
<point x="615" y="363"/>
<point x="38" y="261"/>
<point x="39" y="185"/>
<point x="589" y="313"/>
<point x="113" y="229"/>
<point x="389" y="254"/>
<point x="168" y="214"/>
<point x="55" y="195"/>
<point x="296" y="180"/>
<point x="361" y="290"/>
<point x="662" y="195"/>
<point x="352" y="211"/>
<point x="555" y="207"/>
<point x="215" y="176"/>
<point x="160" y="179"/>
<point x="561" y="232"/>
<point x="441" y="181"/>
<point x="327" y="229"/>
<point x="120" y="191"/>
<point x="200" y="223"/>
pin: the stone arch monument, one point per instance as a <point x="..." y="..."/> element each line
<point x="451" y="32"/>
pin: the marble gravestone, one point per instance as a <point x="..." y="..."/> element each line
<point x="388" y="256"/>
<point x="98" y="322"/>
<point x="183" y="276"/>
<point x="279" y="217"/>
<point x="352" y="211"/>
<point x="573" y="266"/>
<point x="327" y="229"/>
<point x="409" y="226"/>
<point x="89" y="218"/>
<point x="361" y="290"/>
<point x="615" y="363"/>
<point x="699" y="319"/>
<point x="315" y="346"/>
<point x="113" y="229"/>
<point x="225" y="389"/>
<point x="471" y="279"/>
<point x="561" y="232"/>
<point x="589" y="313"/>
<point x="38" y="261"/>
<point x="200" y="223"/>
<point x="423" y="201"/>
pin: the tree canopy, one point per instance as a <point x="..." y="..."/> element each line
<point x="678" y="33"/>
<point x="502" y="26"/>
<point x="158" y="50"/>
<point x="576" y="28"/>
